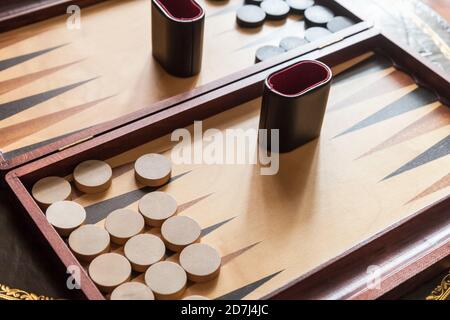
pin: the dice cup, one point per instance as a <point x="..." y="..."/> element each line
<point x="294" y="102"/>
<point x="177" y="36"/>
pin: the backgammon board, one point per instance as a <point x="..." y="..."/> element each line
<point x="61" y="85"/>
<point x="372" y="191"/>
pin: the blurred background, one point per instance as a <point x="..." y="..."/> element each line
<point x="421" y="24"/>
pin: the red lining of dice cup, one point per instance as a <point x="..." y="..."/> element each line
<point x="181" y="9"/>
<point x="299" y="78"/>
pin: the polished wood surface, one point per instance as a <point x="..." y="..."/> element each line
<point x="382" y="158"/>
<point x="57" y="81"/>
<point x="394" y="20"/>
<point x="332" y="200"/>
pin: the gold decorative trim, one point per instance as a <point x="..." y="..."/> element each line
<point x="442" y="291"/>
<point x="7" y="293"/>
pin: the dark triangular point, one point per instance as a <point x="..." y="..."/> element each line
<point x="241" y="293"/>
<point x="11" y="62"/>
<point x="9" y="109"/>
<point x="439" y="150"/>
<point x="99" y="211"/>
<point x="418" y="98"/>
<point x="210" y="229"/>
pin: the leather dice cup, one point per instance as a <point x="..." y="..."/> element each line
<point x="177" y="36"/>
<point x="294" y="101"/>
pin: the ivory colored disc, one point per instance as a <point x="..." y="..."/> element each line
<point x="92" y="176"/>
<point x="201" y="262"/>
<point x="196" y="298"/>
<point x="180" y="231"/>
<point x="50" y="190"/>
<point x="167" y="280"/>
<point x="153" y="170"/>
<point x="122" y="224"/>
<point x="109" y="271"/>
<point x="132" y="291"/>
<point x="144" y="250"/>
<point x="65" y="216"/>
<point x="89" y="241"/>
<point x="156" y="207"/>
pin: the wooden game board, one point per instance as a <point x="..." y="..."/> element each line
<point x="373" y="190"/>
<point x="61" y="86"/>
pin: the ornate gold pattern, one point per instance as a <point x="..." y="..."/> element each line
<point x="442" y="291"/>
<point x="7" y="293"/>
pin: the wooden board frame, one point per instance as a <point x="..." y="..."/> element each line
<point x="341" y="278"/>
<point x="338" y="6"/>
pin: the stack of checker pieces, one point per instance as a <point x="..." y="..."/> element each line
<point x="145" y="255"/>
<point x="320" y="21"/>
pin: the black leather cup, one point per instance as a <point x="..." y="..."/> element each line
<point x="294" y="102"/>
<point x="177" y="36"/>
